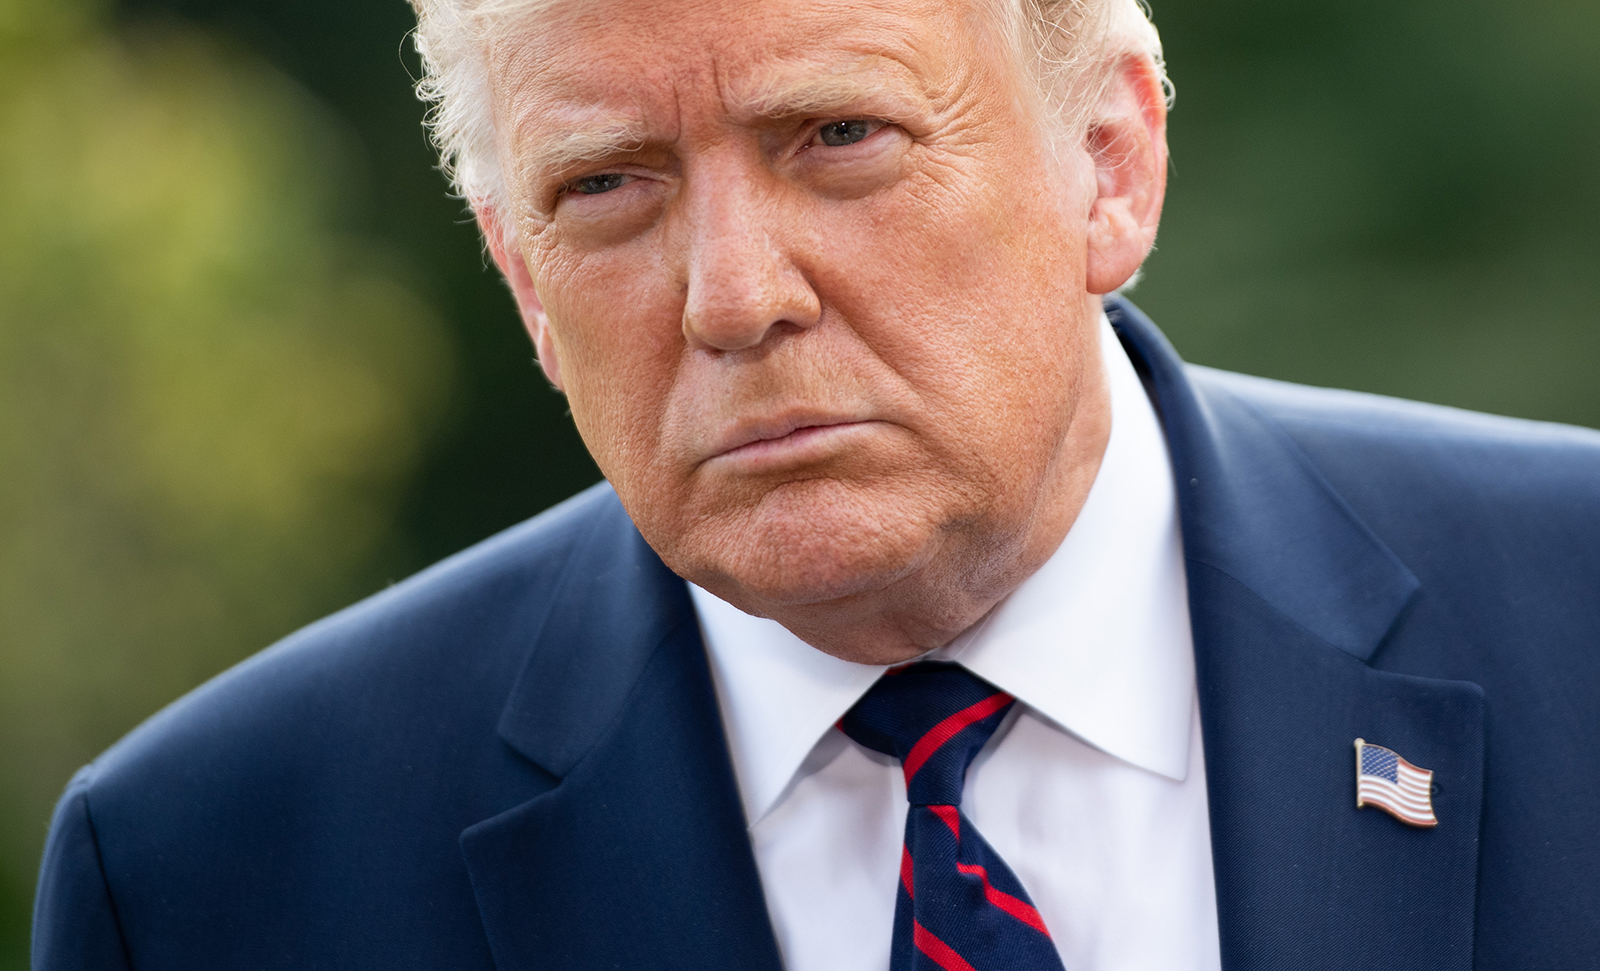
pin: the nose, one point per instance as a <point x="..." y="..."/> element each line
<point x="743" y="284"/>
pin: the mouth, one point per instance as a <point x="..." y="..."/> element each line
<point x="786" y="440"/>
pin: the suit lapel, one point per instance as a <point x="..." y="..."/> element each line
<point x="639" y="857"/>
<point x="1290" y="595"/>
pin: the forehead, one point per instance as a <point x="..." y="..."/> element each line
<point x="652" y="60"/>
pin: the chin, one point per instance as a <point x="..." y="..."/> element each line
<point x="809" y="543"/>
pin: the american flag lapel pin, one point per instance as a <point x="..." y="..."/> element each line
<point x="1385" y="780"/>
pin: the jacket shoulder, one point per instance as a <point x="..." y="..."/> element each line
<point x="1497" y="518"/>
<point x="449" y="638"/>
<point x="1355" y="436"/>
<point x="361" y="746"/>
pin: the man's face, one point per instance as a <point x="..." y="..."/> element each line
<point x="813" y="283"/>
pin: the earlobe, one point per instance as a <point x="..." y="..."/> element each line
<point x="1128" y="145"/>
<point x="514" y="267"/>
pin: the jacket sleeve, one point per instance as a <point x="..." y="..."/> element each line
<point x="74" y="919"/>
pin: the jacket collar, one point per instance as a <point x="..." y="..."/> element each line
<point x="619" y="601"/>
<point x="1255" y="507"/>
<point x="1290" y="595"/>
<point x="638" y="858"/>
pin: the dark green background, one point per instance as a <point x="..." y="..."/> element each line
<point x="1400" y="198"/>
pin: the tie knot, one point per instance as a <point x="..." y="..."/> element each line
<point x="934" y="717"/>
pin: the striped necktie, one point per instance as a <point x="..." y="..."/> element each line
<point x="960" y="908"/>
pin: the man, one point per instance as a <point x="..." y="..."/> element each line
<point x="1209" y="671"/>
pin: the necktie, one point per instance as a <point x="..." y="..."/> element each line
<point x="960" y="908"/>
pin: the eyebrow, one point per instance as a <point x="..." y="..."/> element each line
<point x="585" y="143"/>
<point x="779" y="95"/>
<point x="860" y="83"/>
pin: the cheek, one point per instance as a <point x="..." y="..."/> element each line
<point x="970" y="289"/>
<point x="616" y="325"/>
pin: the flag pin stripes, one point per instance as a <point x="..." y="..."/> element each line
<point x="1389" y="782"/>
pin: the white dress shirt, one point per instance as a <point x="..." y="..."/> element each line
<point x="1093" y="790"/>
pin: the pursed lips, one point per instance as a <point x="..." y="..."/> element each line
<point x="778" y="438"/>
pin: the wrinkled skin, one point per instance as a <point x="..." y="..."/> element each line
<point x="821" y="297"/>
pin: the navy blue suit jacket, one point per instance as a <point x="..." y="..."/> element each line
<point x="514" y="760"/>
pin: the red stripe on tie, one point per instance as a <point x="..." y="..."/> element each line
<point x="950" y="728"/>
<point x="906" y="871"/>
<point x="951" y="817"/>
<point x="941" y="953"/>
<point x="1015" y="906"/>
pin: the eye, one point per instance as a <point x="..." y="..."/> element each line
<point x="593" y="185"/>
<point x="836" y="134"/>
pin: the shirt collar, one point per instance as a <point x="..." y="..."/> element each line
<point x="1097" y="641"/>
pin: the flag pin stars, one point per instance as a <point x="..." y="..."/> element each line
<point x="1385" y="780"/>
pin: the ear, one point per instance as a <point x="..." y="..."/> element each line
<point x="1128" y="143"/>
<point x="514" y="267"/>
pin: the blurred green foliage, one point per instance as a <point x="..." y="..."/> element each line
<point x="209" y="396"/>
<point x="225" y="406"/>
<point x="1397" y="198"/>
